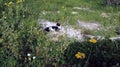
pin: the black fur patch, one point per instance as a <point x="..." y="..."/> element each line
<point x="55" y="28"/>
<point x="47" y="29"/>
<point x="58" y="24"/>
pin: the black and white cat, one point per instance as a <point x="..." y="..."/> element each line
<point x="53" y="28"/>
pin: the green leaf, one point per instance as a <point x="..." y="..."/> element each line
<point x="1" y="40"/>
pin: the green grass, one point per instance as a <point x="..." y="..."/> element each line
<point x="66" y="8"/>
<point x="20" y="34"/>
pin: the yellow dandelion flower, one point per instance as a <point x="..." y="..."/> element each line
<point x="93" y="40"/>
<point x="80" y="55"/>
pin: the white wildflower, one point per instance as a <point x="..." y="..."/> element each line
<point x="34" y="57"/>
<point x="28" y="54"/>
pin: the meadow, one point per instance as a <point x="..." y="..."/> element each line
<point x="23" y="43"/>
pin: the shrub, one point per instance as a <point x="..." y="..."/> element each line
<point x="16" y="38"/>
<point x="100" y="54"/>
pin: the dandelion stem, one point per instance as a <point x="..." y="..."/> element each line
<point x="88" y="58"/>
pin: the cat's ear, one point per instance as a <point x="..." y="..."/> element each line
<point x="58" y="24"/>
